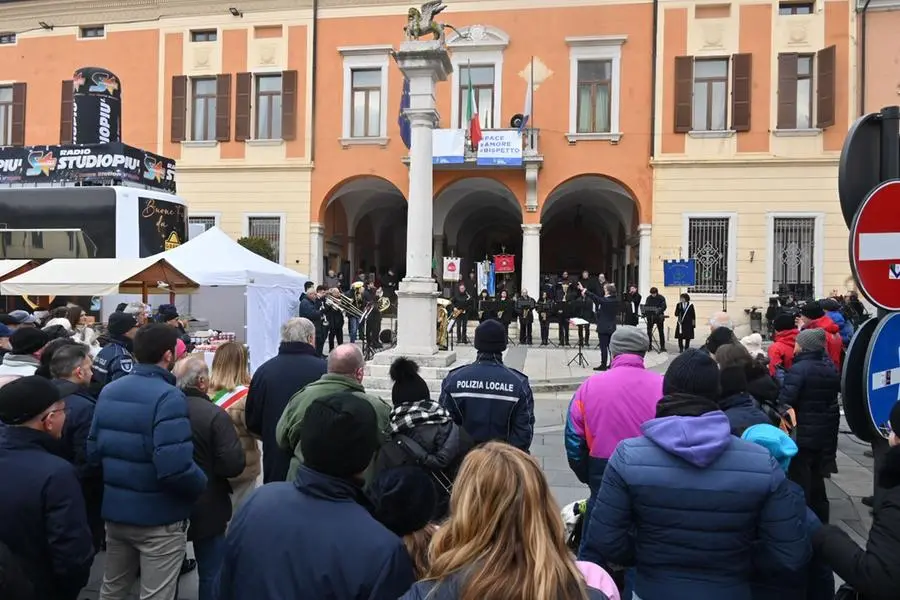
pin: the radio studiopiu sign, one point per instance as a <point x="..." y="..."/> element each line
<point x="100" y="163"/>
<point x="96" y="106"/>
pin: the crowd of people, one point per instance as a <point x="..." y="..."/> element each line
<point x="706" y="482"/>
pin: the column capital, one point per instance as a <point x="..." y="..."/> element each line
<point x="644" y="229"/>
<point x="316" y="229"/>
<point x="531" y="228"/>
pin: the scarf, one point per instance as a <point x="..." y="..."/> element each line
<point x="225" y="399"/>
<point x="407" y="417"/>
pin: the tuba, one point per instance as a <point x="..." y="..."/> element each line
<point x="443" y="332"/>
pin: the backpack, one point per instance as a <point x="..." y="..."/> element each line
<point x="781" y="416"/>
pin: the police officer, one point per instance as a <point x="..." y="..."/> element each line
<point x="488" y="399"/>
<point x="115" y="359"/>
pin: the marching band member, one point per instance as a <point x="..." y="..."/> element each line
<point x="462" y="304"/>
<point x="583" y="308"/>
<point x="486" y="308"/>
<point x="311" y="308"/>
<point x="524" y="307"/>
<point x="545" y="309"/>
<point x="565" y="295"/>
<point x="335" y="317"/>
<point x="657" y="317"/>
<point x="373" y="321"/>
<point x="356" y="297"/>
<point x="632" y="306"/>
<point x="505" y="310"/>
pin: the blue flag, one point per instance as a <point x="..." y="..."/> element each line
<point x="402" y="119"/>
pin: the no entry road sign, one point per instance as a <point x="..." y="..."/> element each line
<point x="875" y="246"/>
<point x="883" y="371"/>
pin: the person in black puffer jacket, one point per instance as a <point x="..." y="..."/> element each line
<point x="811" y="387"/>
<point x="14" y="583"/>
<point x="875" y="571"/>
<point x="735" y="401"/>
<point x="422" y="433"/>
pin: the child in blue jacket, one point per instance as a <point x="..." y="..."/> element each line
<point x="816" y="581"/>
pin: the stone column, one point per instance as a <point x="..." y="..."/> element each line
<point x="437" y="254"/>
<point x="423" y="63"/>
<point x="531" y="259"/>
<point x="316" y="252"/>
<point x="531" y="188"/>
<point x="644" y="260"/>
<point x="351" y="256"/>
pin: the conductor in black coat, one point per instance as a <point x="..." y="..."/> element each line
<point x="607" y="311"/>
<point x="311" y="308"/>
<point x="875" y="571"/>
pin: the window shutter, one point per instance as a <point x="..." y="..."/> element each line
<point x="18" y="114"/>
<point x="684" y="93"/>
<point x="825" y="60"/>
<point x="223" y="107"/>
<point x="242" y="107"/>
<point x="289" y="105"/>
<point x="741" y="91"/>
<point x="65" y="113"/>
<point x="787" y="91"/>
<point x="179" y="108"/>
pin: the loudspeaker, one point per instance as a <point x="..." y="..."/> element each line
<point x="516" y="121"/>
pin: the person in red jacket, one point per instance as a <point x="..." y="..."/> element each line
<point x="781" y="352"/>
<point x="812" y="316"/>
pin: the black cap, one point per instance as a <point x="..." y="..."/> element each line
<point x="785" y="322"/>
<point x="339" y="435"/>
<point x="25" y="398"/>
<point x="692" y="372"/>
<point x="28" y="340"/>
<point x="490" y="336"/>
<point x="167" y="312"/>
<point x="121" y="323"/>
<point x="812" y="311"/>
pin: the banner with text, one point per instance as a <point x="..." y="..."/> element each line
<point x="448" y="146"/>
<point x="451" y="268"/>
<point x="500" y="148"/>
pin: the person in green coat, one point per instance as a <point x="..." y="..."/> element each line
<point x="345" y="374"/>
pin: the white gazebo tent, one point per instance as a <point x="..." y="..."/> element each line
<point x="240" y="291"/>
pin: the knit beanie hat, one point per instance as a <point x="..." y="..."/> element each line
<point x="692" y="372"/>
<point x="339" y="435"/>
<point x="121" y="323"/>
<point x="490" y="336"/>
<point x="629" y="340"/>
<point x="829" y="304"/>
<point x="404" y="499"/>
<point x="718" y="338"/>
<point x="28" y="340"/>
<point x="811" y="340"/>
<point x="167" y="312"/>
<point x="409" y="387"/>
<point x="812" y="311"/>
<point x="778" y="443"/>
<point x="25" y="398"/>
<point x="784" y="322"/>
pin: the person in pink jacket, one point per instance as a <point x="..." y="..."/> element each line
<point x="611" y="406"/>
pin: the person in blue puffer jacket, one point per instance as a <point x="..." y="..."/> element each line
<point x="832" y="310"/>
<point x="816" y="580"/>
<point x="691" y="506"/>
<point x="141" y="436"/>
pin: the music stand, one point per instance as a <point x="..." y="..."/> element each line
<point x="650" y="314"/>
<point x="579" y="358"/>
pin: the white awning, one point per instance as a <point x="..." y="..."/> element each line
<point x="9" y="265"/>
<point x="98" y="277"/>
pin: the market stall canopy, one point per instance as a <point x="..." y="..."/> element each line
<point x="12" y="268"/>
<point x="214" y="259"/>
<point x="99" y="277"/>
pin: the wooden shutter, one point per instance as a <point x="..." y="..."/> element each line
<point x="242" y="97"/>
<point x="65" y="113"/>
<point x="223" y="107"/>
<point x="741" y="91"/>
<point x="179" y="108"/>
<point x="825" y="91"/>
<point x="289" y="105"/>
<point x="787" y="91"/>
<point x="19" y="91"/>
<point x="684" y="93"/>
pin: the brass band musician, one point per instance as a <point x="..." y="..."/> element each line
<point x="546" y="311"/>
<point x="356" y="297"/>
<point x="524" y="306"/>
<point x="335" y="317"/>
<point x="487" y="307"/>
<point x="462" y="304"/>
<point x="505" y="310"/>
<point x="443" y="323"/>
<point x="563" y="309"/>
<point x="373" y="322"/>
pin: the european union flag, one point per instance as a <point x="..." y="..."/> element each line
<point x="402" y="119"/>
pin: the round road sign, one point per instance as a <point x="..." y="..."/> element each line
<point x="875" y="246"/>
<point x="883" y="372"/>
<point x="854" y="384"/>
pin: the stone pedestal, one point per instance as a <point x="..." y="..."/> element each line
<point x="531" y="260"/>
<point x="423" y="63"/>
<point x="316" y="252"/>
<point x="644" y="260"/>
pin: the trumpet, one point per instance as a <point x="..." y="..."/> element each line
<point x="457" y="312"/>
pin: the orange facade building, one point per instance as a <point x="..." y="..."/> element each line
<point x="283" y="117"/>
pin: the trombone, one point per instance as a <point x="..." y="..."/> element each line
<point x="344" y="304"/>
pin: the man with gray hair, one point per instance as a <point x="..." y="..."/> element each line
<point x="721" y="332"/>
<point x="720" y="319"/>
<point x="274" y="383"/>
<point x="218" y="452"/>
<point x="139" y="311"/>
<point x="345" y="375"/>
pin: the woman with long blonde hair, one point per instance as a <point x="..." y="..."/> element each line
<point x="504" y="539"/>
<point x="229" y="382"/>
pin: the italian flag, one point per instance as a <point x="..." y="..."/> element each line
<point x="472" y="116"/>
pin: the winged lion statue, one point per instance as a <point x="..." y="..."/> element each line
<point x="420" y="22"/>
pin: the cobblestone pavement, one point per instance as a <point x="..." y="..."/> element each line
<point x="845" y="489"/>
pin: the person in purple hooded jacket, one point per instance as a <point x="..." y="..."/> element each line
<point x="690" y="506"/>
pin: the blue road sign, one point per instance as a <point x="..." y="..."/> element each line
<point x="883" y="372"/>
